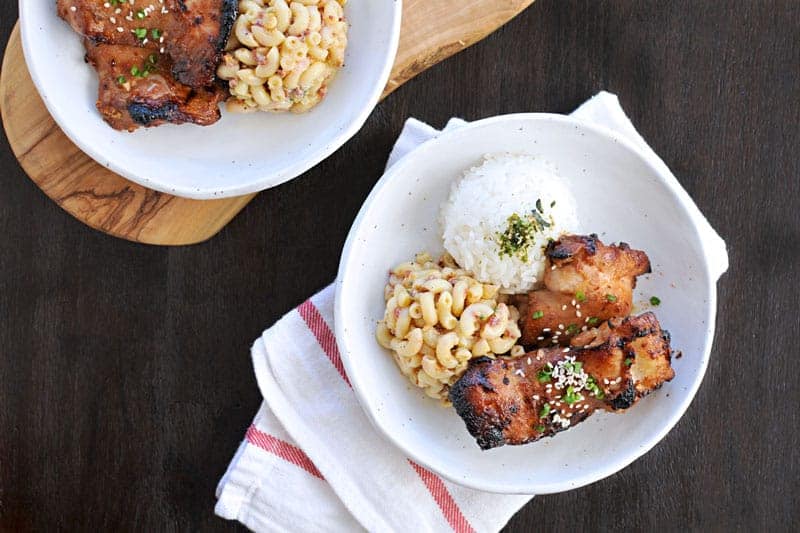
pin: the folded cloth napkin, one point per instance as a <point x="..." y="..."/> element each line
<point x="311" y="460"/>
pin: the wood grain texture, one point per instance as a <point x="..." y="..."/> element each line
<point x="126" y="383"/>
<point x="432" y="31"/>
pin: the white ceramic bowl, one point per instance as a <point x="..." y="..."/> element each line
<point x="621" y="195"/>
<point x="239" y="154"/>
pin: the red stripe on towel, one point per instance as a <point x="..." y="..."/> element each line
<point x="444" y="499"/>
<point x="324" y="335"/>
<point x="434" y="483"/>
<point x="282" y="449"/>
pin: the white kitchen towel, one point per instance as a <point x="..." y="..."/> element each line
<point x="311" y="460"/>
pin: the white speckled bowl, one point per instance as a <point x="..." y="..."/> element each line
<point x="241" y="153"/>
<point x="622" y="195"/>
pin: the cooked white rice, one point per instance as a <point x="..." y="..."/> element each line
<point x="480" y="205"/>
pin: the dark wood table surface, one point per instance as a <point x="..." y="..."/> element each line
<point x="125" y="377"/>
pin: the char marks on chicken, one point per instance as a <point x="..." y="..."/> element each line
<point x="520" y="400"/>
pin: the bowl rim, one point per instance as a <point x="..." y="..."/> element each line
<point x="257" y="184"/>
<point x="606" y="469"/>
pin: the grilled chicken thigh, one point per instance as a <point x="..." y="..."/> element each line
<point x="192" y="33"/>
<point x="156" y="59"/>
<point x="520" y="400"/>
<point x="585" y="282"/>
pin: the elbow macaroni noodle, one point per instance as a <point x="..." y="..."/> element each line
<point x="283" y="54"/>
<point x="438" y="317"/>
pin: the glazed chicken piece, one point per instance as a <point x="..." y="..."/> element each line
<point x="585" y="282"/>
<point x="193" y="33"/>
<point x="520" y="400"/>
<point x="129" y="101"/>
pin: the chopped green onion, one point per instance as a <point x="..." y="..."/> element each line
<point x="571" y="397"/>
<point x="122" y="79"/>
<point x="152" y="59"/>
<point x="628" y="361"/>
<point x="655" y="300"/>
<point x="537" y="315"/>
<point x="140" y="14"/>
<point x="140" y="33"/>
<point x="544" y="375"/>
<point x="611" y="298"/>
<point x="540" y="428"/>
<point x="135" y="71"/>
<point x="580" y="296"/>
<point x="593" y="320"/>
<point x="156" y="33"/>
<point x="545" y="410"/>
<point x="572" y="329"/>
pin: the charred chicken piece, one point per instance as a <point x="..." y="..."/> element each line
<point x="151" y="96"/>
<point x="193" y="33"/>
<point x="520" y="400"/>
<point x="586" y="282"/>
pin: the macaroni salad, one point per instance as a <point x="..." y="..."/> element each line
<point x="282" y="55"/>
<point x="438" y="317"/>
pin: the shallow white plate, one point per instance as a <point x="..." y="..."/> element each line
<point x="239" y="154"/>
<point x="621" y="196"/>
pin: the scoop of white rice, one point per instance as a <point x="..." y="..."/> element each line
<point x="479" y="207"/>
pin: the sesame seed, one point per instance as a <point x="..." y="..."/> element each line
<point x="578" y="306"/>
<point x="520" y="373"/>
<point x="535" y="396"/>
<point x="529" y="360"/>
<point x="539" y="338"/>
<point x="120" y="29"/>
<point x="564" y="307"/>
<point x="546" y="330"/>
<point x="565" y="350"/>
<point x="584" y="328"/>
<point x="561" y="326"/>
<point x="555" y="341"/>
<point x="573" y="303"/>
<point x="73" y="9"/>
<point x="578" y="314"/>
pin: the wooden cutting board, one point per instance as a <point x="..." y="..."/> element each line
<point x="432" y="30"/>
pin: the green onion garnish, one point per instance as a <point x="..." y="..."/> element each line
<point x="611" y="298"/>
<point x="655" y="300"/>
<point x="141" y="33"/>
<point x="156" y="33"/>
<point x="122" y="79"/>
<point x="537" y="315"/>
<point x="545" y="410"/>
<point x="580" y="296"/>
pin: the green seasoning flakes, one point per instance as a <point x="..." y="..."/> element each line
<point x="594" y="388"/>
<point x="593" y="320"/>
<point x="141" y="33"/>
<point x="545" y="374"/>
<point x="122" y="80"/>
<point x="572" y="397"/>
<point x="655" y="300"/>
<point x="537" y="315"/>
<point x="156" y="33"/>
<point x="520" y="232"/>
<point x="545" y="410"/>
<point x="580" y="296"/>
<point x="572" y="329"/>
<point x="611" y="298"/>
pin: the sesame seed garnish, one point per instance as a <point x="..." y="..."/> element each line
<point x="535" y="396"/>
<point x="573" y="303"/>
<point x="561" y="326"/>
<point x="520" y="373"/>
<point x="546" y="330"/>
<point x="565" y="350"/>
<point x="578" y="314"/>
<point x="539" y="338"/>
